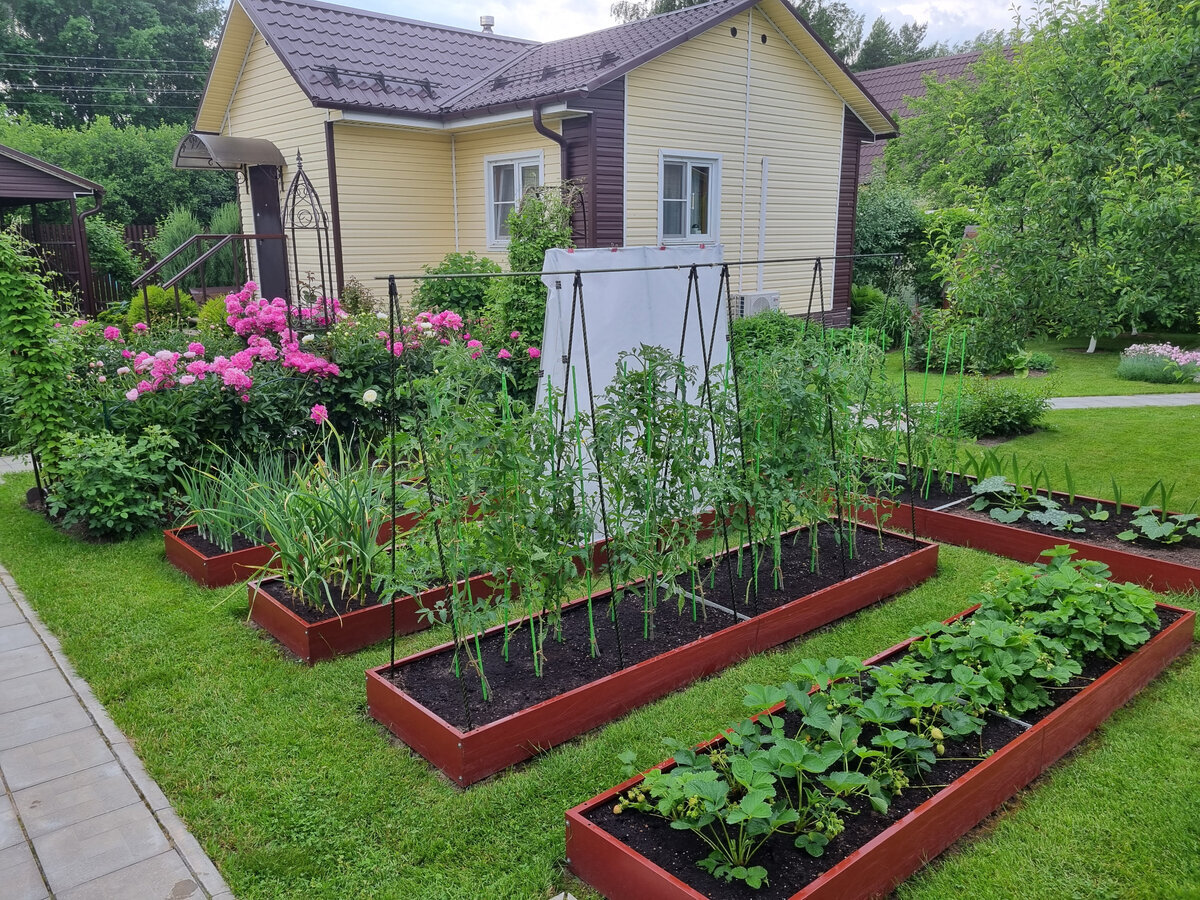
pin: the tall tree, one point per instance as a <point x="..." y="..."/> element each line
<point x="1081" y="158"/>
<point x="886" y="45"/>
<point x="138" y="62"/>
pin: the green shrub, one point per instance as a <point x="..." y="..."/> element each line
<point x="113" y="488"/>
<point x="222" y="269"/>
<point x="765" y="331"/>
<point x="212" y="315"/>
<point x="863" y="297"/>
<point x="887" y="315"/>
<point x="108" y="253"/>
<point x="1041" y="361"/>
<point x="1001" y="408"/>
<point x="162" y="307"/>
<point x="174" y="230"/>
<point x="968" y="340"/>
<point x="888" y="220"/>
<point x="1154" y="369"/>
<point x="466" y="296"/>
<point x="357" y="299"/>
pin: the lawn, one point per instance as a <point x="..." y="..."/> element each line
<point x="295" y="792"/>
<point x="1076" y="373"/>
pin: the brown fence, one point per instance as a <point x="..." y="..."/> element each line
<point x="60" y="257"/>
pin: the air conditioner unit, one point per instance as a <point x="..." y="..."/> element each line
<point x="742" y="305"/>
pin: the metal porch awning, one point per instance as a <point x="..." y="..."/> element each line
<point x="198" y="150"/>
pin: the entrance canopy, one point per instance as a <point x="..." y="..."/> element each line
<point x="213" y="151"/>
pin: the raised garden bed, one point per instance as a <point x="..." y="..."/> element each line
<point x="313" y="638"/>
<point x="206" y="564"/>
<point x="883" y="860"/>
<point x="955" y="525"/>
<point x="587" y="692"/>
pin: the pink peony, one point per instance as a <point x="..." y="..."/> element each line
<point x="141" y="327"/>
<point x="474" y="344"/>
<point x="196" y="347"/>
<point x="101" y="379"/>
<point x="131" y="394"/>
<point x="319" y="413"/>
<point x="187" y="379"/>
<point x="534" y="352"/>
<point x="128" y="354"/>
<point x="503" y="354"/>
<point x="112" y="333"/>
<point x="515" y="335"/>
<point x="79" y="323"/>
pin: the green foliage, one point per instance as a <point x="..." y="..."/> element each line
<point x="765" y="331"/>
<point x="1041" y="361"/>
<point x="113" y="487"/>
<point x="212" y="316"/>
<point x="141" y="63"/>
<point x="886" y="45"/>
<point x="1153" y="369"/>
<point x="161" y="305"/>
<point x="356" y="298"/>
<point x="881" y="313"/>
<point x="998" y="407"/>
<point x="37" y="366"/>
<point x="133" y="164"/>
<point x="175" y="229"/>
<point x="466" y="296"/>
<point x="109" y="255"/>
<point x="888" y="220"/>
<point x="1080" y="161"/>
<point x="223" y="269"/>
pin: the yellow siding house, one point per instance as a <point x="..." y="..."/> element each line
<point x="728" y="122"/>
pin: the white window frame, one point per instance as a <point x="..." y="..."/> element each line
<point x="692" y="157"/>
<point x="526" y="158"/>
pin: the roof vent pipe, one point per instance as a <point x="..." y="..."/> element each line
<point x="487" y="23"/>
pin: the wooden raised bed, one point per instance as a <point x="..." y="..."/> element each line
<point x="468" y="756"/>
<point x="879" y="866"/>
<point x="214" y="571"/>
<point x="950" y="527"/>
<point x="353" y="631"/>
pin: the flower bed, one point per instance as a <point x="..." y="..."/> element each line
<point x="467" y="754"/>
<point x="215" y="570"/>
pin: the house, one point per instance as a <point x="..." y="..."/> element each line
<point x="726" y="122"/>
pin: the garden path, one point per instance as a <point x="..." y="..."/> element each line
<point x="80" y="819"/>
<point x="1115" y="402"/>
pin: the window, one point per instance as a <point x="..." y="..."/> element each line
<point x="689" y="185"/>
<point x="507" y="180"/>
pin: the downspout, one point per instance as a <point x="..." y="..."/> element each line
<point x="540" y="127"/>
<point x="335" y="212"/>
<point x="746" y="142"/>
<point x="85" y="256"/>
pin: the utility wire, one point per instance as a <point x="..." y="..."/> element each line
<point x="65" y="88"/>
<point x="137" y="59"/>
<point x="102" y="70"/>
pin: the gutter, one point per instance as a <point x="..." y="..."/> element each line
<point x="540" y="127"/>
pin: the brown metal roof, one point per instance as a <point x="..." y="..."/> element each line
<point x="27" y="179"/>
<point x="351" y="59"/>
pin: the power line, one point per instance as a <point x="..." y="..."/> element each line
<point x="112" y="106"/>
<point x="97" y="90"/>
<point x="131" y="59"/>
<point x="100" y="70"/>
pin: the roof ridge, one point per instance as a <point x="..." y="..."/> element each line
<point x="449" y="101"/>
<point x="371" y="14"/>
<point x="635" y="22"/>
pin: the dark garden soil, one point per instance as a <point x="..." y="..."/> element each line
<point x="1186" y="552"/>
<point x="937" y="494"/>
<point x="789" y="869"/>
<point x="205" y="547"/>
<point x="340" y="602"/>
<point x="568" y="663"/>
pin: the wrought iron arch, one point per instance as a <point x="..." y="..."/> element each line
<point x="304" y="212"/>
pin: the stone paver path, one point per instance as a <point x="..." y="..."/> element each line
<point x="1118" y="402"/>
<point x="80" y="818"/>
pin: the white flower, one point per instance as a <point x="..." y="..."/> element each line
<point x="163" y="354"/>
<point x="190" y="354"/>
<point x="370" y="396"/>
<point x="308" y="339"/>
<point x="381" y="315"/>
<point x="425" y="326"/>
<point x="187" y="379"/>
<point x="124" y="370"/>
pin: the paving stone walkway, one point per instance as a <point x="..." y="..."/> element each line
<point x="80" y="818"/>
<point x="1118" y="402"/>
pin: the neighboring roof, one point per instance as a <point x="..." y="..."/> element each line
<point x="350" y="59"/>
<point x="27" y="179"/>
<point x="891" y="85"/>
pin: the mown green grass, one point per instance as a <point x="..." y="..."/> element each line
<point x="1076" y="373"/>
<point x="295" y="792"/>
<point x="1139" y="445"/>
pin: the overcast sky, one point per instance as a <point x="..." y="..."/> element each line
<point x="545" y="20"/>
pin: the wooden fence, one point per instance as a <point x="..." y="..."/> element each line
<point x="60" y="258"/>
